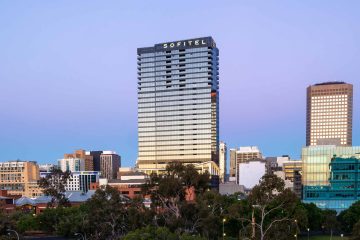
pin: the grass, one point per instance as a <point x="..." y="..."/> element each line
<point x="325" y="238"/>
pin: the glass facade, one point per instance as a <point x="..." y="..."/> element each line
<point x="326" y="182"/>
<point x="178" y="103"/>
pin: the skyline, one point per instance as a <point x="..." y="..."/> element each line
<point x="80" y="51"/>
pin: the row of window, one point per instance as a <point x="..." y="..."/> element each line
<point x="176" y="102"/>
<point x="148" y="119"/>
<point x="174" y="93"/>
<point x="175" y="138"/>
<point x="197" y="142"/>
<point x="161" y="70"/>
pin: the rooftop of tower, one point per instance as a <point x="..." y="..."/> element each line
<point x="179" y="44"/>
<point x="329" y="83"/>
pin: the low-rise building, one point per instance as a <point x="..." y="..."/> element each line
<point x="316" y="173"/>
<point x="20" y="178"/>
<point x="343" y="188"/>
<point x="82" y="181"/>
<point x="250" y="173"/>
<point x="128" y="183"/>
<point x="46" y="167"/>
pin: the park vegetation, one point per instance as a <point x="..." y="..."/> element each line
<point x="269" y="212"/>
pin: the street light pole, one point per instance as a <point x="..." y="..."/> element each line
<point x="308" y="229"/>
<point x="224" y="220"/>
<point x="80" y="234"/>
<point x="17" y="235"/>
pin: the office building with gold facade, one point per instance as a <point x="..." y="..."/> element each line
<point x="329" y="114"/>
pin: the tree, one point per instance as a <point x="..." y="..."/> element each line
<point x="107" y="214"/>
<point x="161" y="233"/>
<point x="330" y="222"/>
<point x="53" y="185"/>
<point x="27" y="222"/>
<point x="356" y="231"/>
<point x="350" y="217"/>
<point x="314" y="215"/>
<point x="73" y="220"/>
<point x="274" y="208"/>
<point x="168" y="192"/>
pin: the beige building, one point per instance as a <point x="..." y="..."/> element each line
<point x="245" y="154"/>
<point x="242" y="155"/>
<point x="20" y="178"/>
<point x="222" y="161"/>
<point x="87" y="160"/>
<point x="232" y="171"/>
<point x="329" y="114"/>
<point x="290" y="167"/>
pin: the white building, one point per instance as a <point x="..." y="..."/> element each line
<point x="222" y="161"/>
<point x="244" y="155"/>
<point x="46" y="167"/>
<point x="251" y="172"/>
<point x="81" y="181"/>
<point x="280" y="160"/>
<point x="71" y="164"/>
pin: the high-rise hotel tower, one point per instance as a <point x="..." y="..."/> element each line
<point x="178" y="103"/>
<point x="329" y="114"/>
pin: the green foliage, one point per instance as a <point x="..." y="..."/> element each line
<point x="72" y="220"/>
<point x="278" y="213"/>
<point x="27" y="222"/>
<point x="356" y="231"/>
<point x="5" y="222"/>
<point x="161" y="233"/>
<point x="350" y="217"/>
<point x="314" y="215"/>
<point x="330" y="223"/>
<point x="50" y="218"/>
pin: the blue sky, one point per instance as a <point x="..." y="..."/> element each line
<point x="68" y="69"/>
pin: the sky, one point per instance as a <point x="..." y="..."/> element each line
<point x="68" y="75"/>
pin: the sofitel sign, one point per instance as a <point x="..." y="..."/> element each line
<point x="187" y="43"/>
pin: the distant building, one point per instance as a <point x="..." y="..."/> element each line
<point x="96" y="158"/>
<point x="243" y="155"/>
<point x="232" y="174"/>
<point x="329" y="114"/>
<point x="71" y="164"/>
<point x="20" y="178"/>
<point x="272" y="165"/>
<point x="129" y="182"/>
<point x="82" y="181"/>
<point x="109" y="164"/>
<point x="288" y="183"/>
<point x="316" y="172"/>
<point x="222" y="161"/>
<point x="39" y="204"/>
<point x="250" y="172"/>
<point x="230" y="188"/>
<point x="290" y="167"/>
<point x="81" y="154"/>
<point x="46" y="167"/>
<point x="293" y="171"/>
<point x="214" y="171"/>
<point x="343" y="188"/>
